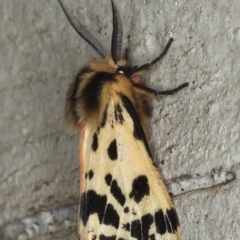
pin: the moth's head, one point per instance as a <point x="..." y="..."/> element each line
<point x="115" y="61"/>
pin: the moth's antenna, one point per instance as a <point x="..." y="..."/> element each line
<point x="117" y="33"/>
<point x="82" y="31"/>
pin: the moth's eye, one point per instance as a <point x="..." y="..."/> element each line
<point x="122" y="70"/>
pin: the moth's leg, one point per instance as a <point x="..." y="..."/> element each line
<point x="172" y="91"/>
<point x="167" y="92"/>
<point x="146" y="66"/>
<point x="163" y="53"/>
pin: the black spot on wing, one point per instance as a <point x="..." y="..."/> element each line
<point x="112" y="150"/>
<point x="101" y="125"/>
<point x="140" y="228"/>
<point x="103" y="237"/>
<point x="126" y="210"/>
<point x="160" y="222"/>
<point x="136" y="230"/>
<point x="172" y="216"/>
<point x="169" y="229"/>
<point x="104" y="118"/>
<point x="115" y="189"/>
<point x="118" y="114"/>
<point x="95" y="142"/>
<point x="92" y="92"/>
<point x="152" y="237"/>
<point x="147" y="221"/>
<point x="138" y="132"/>
<point x="133" y="212"/>
<point x="117" y="193"/>
<point x="166" y="223"/>
<point x="88" y="205"/>
<point x="140" y="188"/>
<point x="89" y="175"/>
<point x="108" y="179"/>
<point x="111" y="216"/>
<point x="126" y="227"/>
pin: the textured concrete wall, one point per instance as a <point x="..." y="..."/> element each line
<point x="194" y="135"/>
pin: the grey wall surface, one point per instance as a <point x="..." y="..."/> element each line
<point x="194" y="135"/>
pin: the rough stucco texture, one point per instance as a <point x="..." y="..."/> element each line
<point x="192" y="133"/>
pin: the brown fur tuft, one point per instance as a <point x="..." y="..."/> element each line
<point x="95" y="85"/>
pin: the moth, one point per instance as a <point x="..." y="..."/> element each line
<point x="122" y="194"/>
